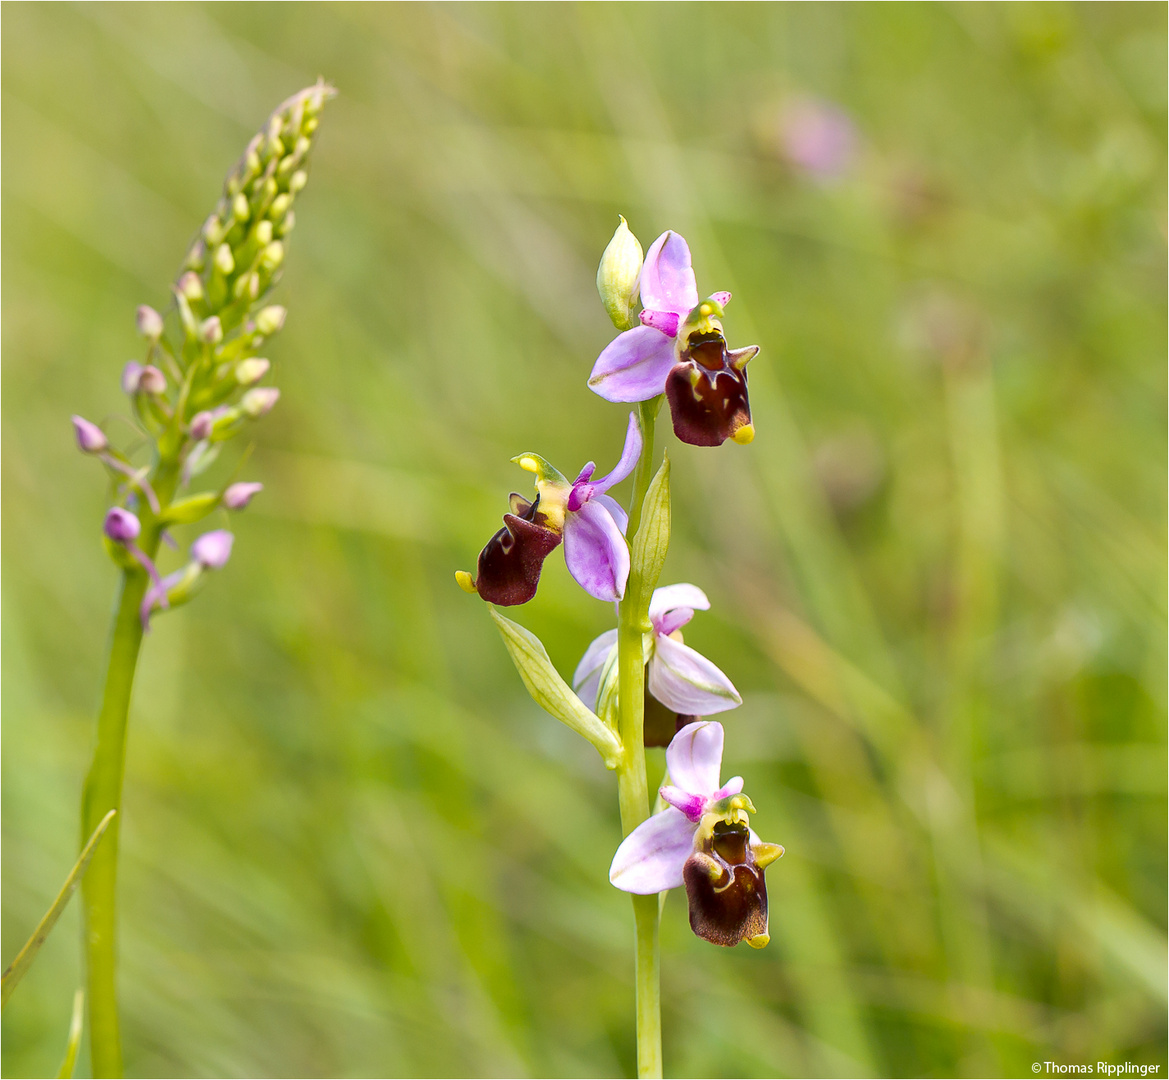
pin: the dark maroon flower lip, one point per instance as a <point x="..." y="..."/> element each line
<point x="707" y="392"/>
<point x="510" y="564"/>
<point x="726" y="889"/>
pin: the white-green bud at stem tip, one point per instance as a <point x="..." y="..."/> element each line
<point x="297" y="181"/>
<point x="149" y="323"/>
<point x="211" y="330"/>
<point x="264" y="232"/>
<point x="251" y="371"/>
<point x="191" y="286"/>
<point x="618" y="276"/>
<point x="255" y="403"/>
<point x="224" y="261"/>
<point x="270" y="319"/>
<point x="272" y="256"/>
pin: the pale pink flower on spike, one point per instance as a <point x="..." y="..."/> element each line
<point x="680" y="677"/>
<point x="702" y="840"/>
<point x="580" y="512"/>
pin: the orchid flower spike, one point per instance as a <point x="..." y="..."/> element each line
<point x="680" y="350"/>
<point x="678" y="677"/>
<point x="590" y="522"/>
<point x="702" y="840"/>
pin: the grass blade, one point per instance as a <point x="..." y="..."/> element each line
<point x="16" y="970"/>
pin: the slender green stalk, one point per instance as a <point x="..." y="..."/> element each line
<point x="103" y="793"/>
<point x="632" y="791"/>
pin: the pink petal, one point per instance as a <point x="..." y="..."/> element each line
<point x="616" y="509"/>
<point x="684" y="680"/>
<point x="583" y="490"/>
<point x="586" y="680"/>
<point x="690" y="805"/>
<point x="681" y="595"/>
<point x="665" y="321"/>
<point x="630" y="452"/>
<point x="634" y="366"/>
<point x="732" y="787"/>
<point x="721" y="298"/>
<point x="694" y="757"/>
<point x="672" y="620"/>
<point x="650" y="859"/>
<point x="596" y="552"/>
<point x="667" y="277"/>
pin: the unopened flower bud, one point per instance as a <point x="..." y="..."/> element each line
<point x="191" y="286"/>
<point x="288" y="224"/>
<point x="280" y="206"/>
<point x="252" y="370"/>
<point x="258" y="401"/>
<point x="201" y="425"/>
<point x="224" y="261"/>
<point x="246" y="285"/>
<point x="121" y="526"/>
<point x="213" y="549"/>
<point x="151" y="381"/>
<point x="211" y="330"/>
<point x="131" y="373"/>
<point x="297" y="181"/>
<point x="618" y="276"/>
<point x="196" y="256"/>
<point x="239" y="207"/>
<point x="213" y="230"/>
<point x="149" y="323"/>
<point x="239" y="495"/>
<point x="270" y="319"/>
<point x="90" y="438"/>
<point x="272" y="256"/>
<point x="264" y="232"/>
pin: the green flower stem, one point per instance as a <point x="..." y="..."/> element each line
<point x="103" y="793"/>
<point x="632" y="791"/>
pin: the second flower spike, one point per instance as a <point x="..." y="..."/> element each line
<point x="590" y="522"/>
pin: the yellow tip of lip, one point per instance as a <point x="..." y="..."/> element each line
<point x="465" y="581"/>
<point x="758" y="941"/>
<point x="744" y="435"/>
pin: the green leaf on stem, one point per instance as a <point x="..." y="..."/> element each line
<point x="17" y="969"/>
<point x="648" y="552"/>
<point x="191" y="509"/>
<point x="551" y="692"/>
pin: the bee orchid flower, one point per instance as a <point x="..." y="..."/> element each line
<point x="702" y="840"/>
<point x="580" y="513"/>
<point x="678" y="677"/>
<point x="680" y="350"/>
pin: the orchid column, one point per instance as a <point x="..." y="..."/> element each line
<point x="639" y="684"/>
<point x="197" y="388"/>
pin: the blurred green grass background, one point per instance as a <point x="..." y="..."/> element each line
<point x="351" y="845"/>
